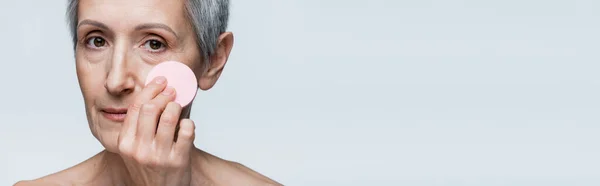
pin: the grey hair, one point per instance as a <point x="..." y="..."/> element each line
<point x="208" y="18"/>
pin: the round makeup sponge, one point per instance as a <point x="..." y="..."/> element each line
<point x="180" y="77"/>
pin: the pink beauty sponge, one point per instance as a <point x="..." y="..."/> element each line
<point x="180" y="77"/>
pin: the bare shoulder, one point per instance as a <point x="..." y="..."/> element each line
<point x="36" y="182"/>
<point x="50" y="180"/>
<point x="55" y="179"/>
<point x="220" y="172"/>
<point x="64" y="177"/>
<point x="249" y="176"/>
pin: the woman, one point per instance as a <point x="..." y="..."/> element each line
<point x="148" y="138"/>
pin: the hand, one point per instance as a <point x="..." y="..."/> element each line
<point x="153" y="151"/>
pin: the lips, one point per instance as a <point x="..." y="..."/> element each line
<point x="114" y="114"/>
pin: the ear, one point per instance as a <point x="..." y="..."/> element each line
<point x="217" y="62"/>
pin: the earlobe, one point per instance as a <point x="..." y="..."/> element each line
<point x="217" y="61"/>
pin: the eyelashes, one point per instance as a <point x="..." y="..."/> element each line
<point x="95" y="42"/>
<point x="154" y="44"/>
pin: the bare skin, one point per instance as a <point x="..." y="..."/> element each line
<point x="148" y="138"/>
<point x="106" y="168"/>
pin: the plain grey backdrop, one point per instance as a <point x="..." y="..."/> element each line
<point x="349" y="92"/>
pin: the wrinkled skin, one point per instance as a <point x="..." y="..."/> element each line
<point x="148" y="138"/>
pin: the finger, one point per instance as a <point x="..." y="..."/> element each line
<point x="152" y="89"/>
<point x="127" y="132"/>
<point x="185" y="138"/>
<point x="151" y="111"/>
<point x="149" y="92"/>
<point x="165" y="133"/>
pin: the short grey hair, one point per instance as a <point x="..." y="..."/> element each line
<point x="208" y="18"/>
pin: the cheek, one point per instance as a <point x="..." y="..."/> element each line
<point x="90" y="76"/>
<point x="190" y="57"/>
<point x="86" y="55"/>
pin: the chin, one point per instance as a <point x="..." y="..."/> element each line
<point x="109" y="141"/>
<point x="106" y="132"/>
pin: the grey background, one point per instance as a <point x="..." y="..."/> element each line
<point x="348" y="92"/>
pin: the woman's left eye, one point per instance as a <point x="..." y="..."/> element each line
<point x="154" y="45"/>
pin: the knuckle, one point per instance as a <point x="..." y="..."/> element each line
<point x="135" y="107"/>
<point x="169" y="118"/>
<point x="186" y="133"/>
<point x="142" y="158"/>
<point x="126" y="149"/>
<point x="149" y="108"/>
<point x="155" y="162"/>
<point x="187" y="129"/>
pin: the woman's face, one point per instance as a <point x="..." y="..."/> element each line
<point x="118" y="43"/>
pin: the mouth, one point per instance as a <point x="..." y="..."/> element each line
<point x="114" y="114"/>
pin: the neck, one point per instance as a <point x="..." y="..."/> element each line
<point x="118" y="174"/>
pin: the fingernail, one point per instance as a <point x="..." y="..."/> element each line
<point x="168" y="91"/>
<point x="160" y="80"/>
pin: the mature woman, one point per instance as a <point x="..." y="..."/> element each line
<point x="148" y="138"/>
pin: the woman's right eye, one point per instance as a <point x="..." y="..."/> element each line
<point x="96" y="42"/>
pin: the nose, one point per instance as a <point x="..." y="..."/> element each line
<point x="119" y="80"/>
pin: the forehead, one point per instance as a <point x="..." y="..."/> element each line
<point x="128" y="13"/>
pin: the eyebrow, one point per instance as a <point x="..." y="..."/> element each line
<point x="137" y="28"/>
<point x="93" y="23"/>
<point x="156" y="25"/>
